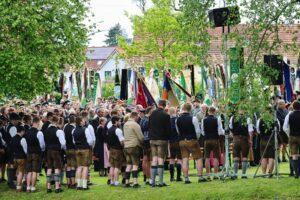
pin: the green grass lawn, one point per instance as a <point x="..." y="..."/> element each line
<point x="259" y="188"/>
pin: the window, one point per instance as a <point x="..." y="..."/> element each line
<point x="107" y="74"/>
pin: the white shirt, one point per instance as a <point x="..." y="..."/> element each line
<point x="249" y="123"/>
<point x="92" y="133"/>
<point x="40" y="137"/>
<point x="109" y="125"/>
<point x="13" y="131"/>
<point x="61" y="137"/>
<point x="24" y="145"/>
<point x="286" y="124"/>
<point x="1" y="138"/>
<point x="119" y="133"/>
<point x="220" y="127"/>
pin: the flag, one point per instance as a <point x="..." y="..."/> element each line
<point x="97" y="92"/>
<point x="168" y="93"/>
<point x="61" y="84"/>
<point x="183" y="85"/>
<point x="287" y="83"/>
<point x="297" y="81"/>
<point x="187" y="77"/>
<point x="78" y="84"/>
<point x="149" y="97"/>
<point x="124" y="85"/>
<point x="141" y="98"/>
<point x="117" y="85"/>
<point x="132" y="87"/>
<point x="152" y="85"/>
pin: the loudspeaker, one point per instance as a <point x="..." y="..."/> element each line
<point x="276" y="63"/>
<point x="224" y="16"/>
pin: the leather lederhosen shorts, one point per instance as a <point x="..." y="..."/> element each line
<point x="175" y="150"/>
<point x="83" y="157"/>
<point x="294" y="142"/>
<point x="159" y="148"/>
<point x="188" y="147"/>
<point x="212" y="145"/>
<point x="33" y="162"/>
<point x="240" y="146"/>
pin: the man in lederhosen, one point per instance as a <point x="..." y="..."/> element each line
<point x="36" y="145"/>
<point x="242" y="130"/>
<point x="70" y="152"/>
<point x="211" y="129"/>
<point x="55" y="143"/>
<point x="83" y="142"/>
<point x="189" y="130"/>
<point x="292" y="128"/>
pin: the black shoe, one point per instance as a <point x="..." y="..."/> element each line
<point x="187" y="182"/>
<point x="108" y="182"/>
<point x="58" y="190"/>
<point x="123" y="181"/>
<point x="201" y="179"/>
<point x="244" y="177"/>
<point x="234" y="177"/>
<point x="87" y="188"/>
<point x="12" y="186"/>
<point x="216" y="178"/>
<point x="270" y="176"/>
<point x="78" y="188"/>
<point x="90" y="183"/>
<point x="162" y="185"/>
<point x="136" y="186"/>
<point x="153" y="185"/>
<point x="208" y="179"/>
<point x="127" y="185"/>
<point x="179" y="179"/>
<point x="147" y="183"/>
<point x="172" y="179"/>
<point x="49" y="191"/>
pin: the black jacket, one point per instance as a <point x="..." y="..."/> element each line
<point x="159" y="125"/>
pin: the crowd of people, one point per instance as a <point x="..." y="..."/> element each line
<point x="125" y="140"/>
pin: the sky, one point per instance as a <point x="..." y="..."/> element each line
<point x="111" y="12"/>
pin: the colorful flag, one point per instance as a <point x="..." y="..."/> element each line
<point x="141" y="98"/>
<point x="149" y="97"/>
<point x="152" y="85"/>
<point x="168" y="93"/>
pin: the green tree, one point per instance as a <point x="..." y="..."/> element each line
<point x="113" y="34"/>
<point x="158" y="39"/>
<point x="38" y="39"/>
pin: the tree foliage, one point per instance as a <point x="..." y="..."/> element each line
<point x="113" y="34"/>
<point x="171" y="35"/>
<point x="37" y="40"/>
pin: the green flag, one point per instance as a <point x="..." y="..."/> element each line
<point x="183" y="84"/>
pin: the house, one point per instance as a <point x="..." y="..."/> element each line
<point x="104" y="61"/>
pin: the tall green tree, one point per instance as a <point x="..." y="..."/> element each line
<point x="38" y="39"/>
<point x="113" y="34"/>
